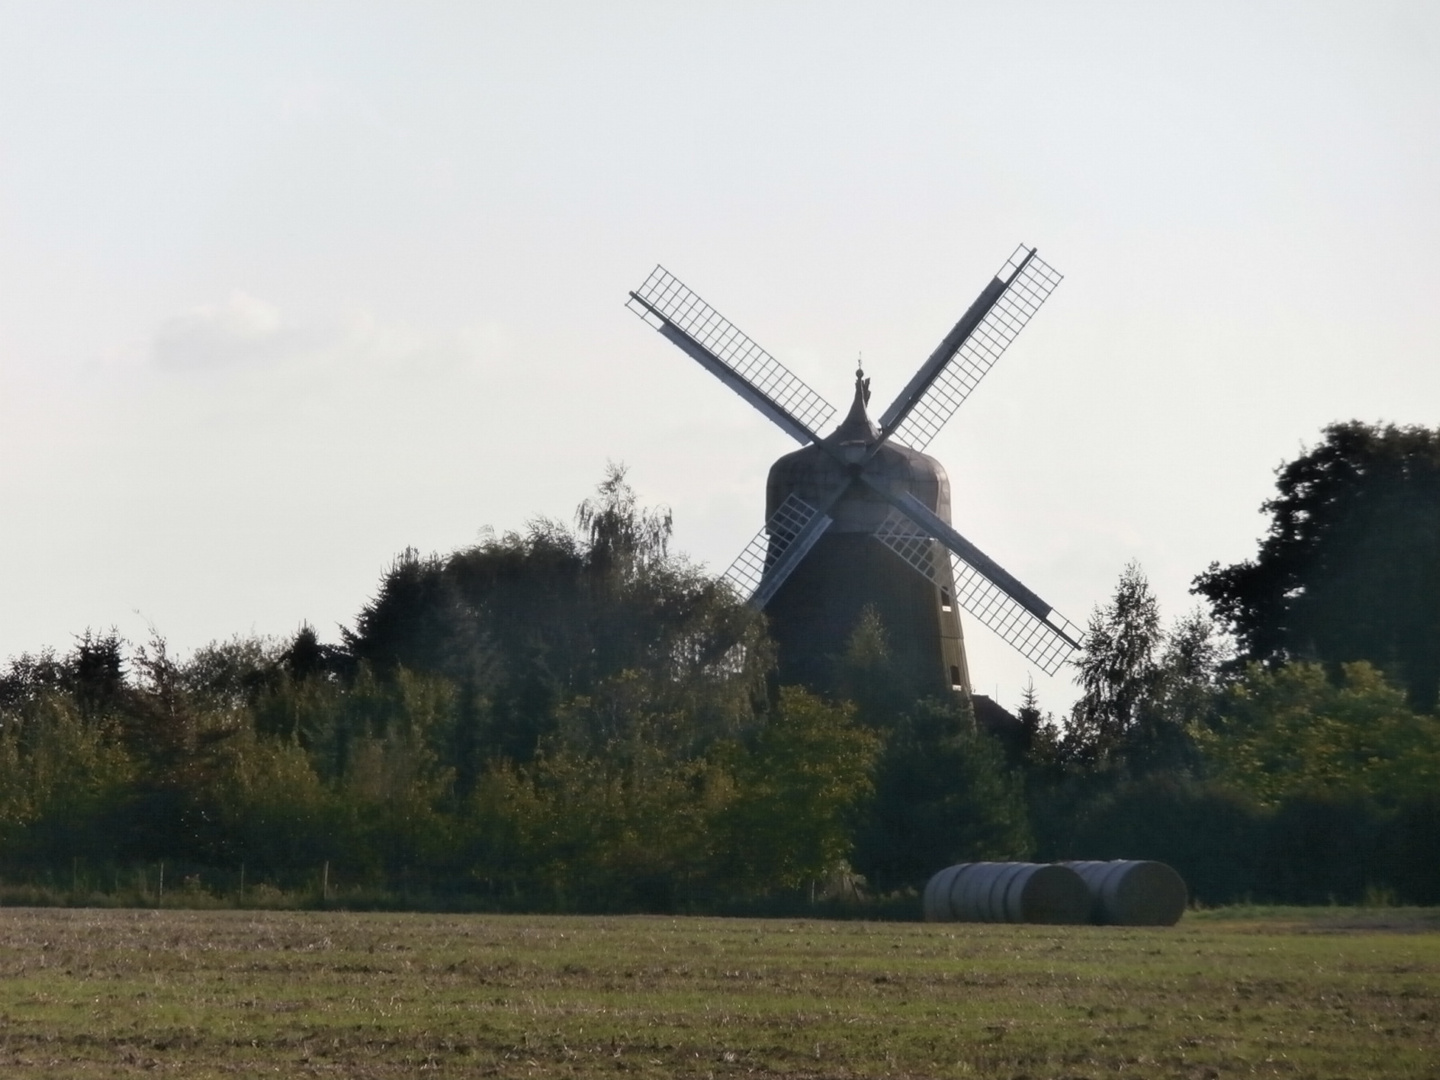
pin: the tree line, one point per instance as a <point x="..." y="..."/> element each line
<point x="576" y="718"/>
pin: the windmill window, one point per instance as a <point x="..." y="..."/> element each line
<point x="954" y="678"/>
<point x="945" y="603"/>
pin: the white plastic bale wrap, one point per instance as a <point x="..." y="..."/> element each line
<point x="1006" y="892"/>
<point x="1133" y="892"/>
<point x="936" y="897"/>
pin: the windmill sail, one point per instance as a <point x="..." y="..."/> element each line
<point x="1047" y="642"/>
<point x="970" y="349"/>
<point x="1033" y="628"/>
<point x="718" y="345"/>
<point x="764" y="564"/>
<point x="942" y="530"/>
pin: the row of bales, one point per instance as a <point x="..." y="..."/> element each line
<point x="1125" y="892"/>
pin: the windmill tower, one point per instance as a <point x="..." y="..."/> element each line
<point x="861" y="517"/>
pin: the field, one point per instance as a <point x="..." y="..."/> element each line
<point x="1327" y="993"/>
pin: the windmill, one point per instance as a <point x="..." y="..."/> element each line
<point x="861" y="517"/>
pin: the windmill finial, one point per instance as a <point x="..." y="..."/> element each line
<point x="857" y="426"/>
<point x="862" y="384"/>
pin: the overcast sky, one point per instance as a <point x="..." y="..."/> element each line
<point x="286" y="288"/>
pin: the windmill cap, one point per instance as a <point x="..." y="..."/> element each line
<point x="857" y="427"/>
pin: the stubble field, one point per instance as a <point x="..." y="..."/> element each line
<point x="242" y="993"/>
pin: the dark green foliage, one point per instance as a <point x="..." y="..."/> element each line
<point x="1293" y="733"/>
<point x="1277" y="785"/>
<point x="869" y="675"/>
<point x="550" y="719"/>
<point x="1325" y="849"/>
<point x="174" y="729"/>
<point x="581" y="721"/>
<point x="1348" y="570"/>
<point x="1035" y="747"/>
<point x="1412" y="850"/>
<point x="420" y="620"/>
<point x="797" y="786"/>
<point x="524" y="623"/>
<point x="943" y="795"/>
<point x="93" y="673"/>
<point x="308" y="657"/>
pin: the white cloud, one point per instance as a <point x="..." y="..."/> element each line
<point x="241" y="330"/>
<point x="245" y="333"/>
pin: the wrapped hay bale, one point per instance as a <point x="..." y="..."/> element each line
<point x="1133" y="892"/>
<point x="936" y="898"/>
<point x="1006" y="892"/>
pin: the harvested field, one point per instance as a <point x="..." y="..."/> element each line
<point x="237" y="993"/>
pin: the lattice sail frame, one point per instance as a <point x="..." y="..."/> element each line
<point x="767" y="546"/>
<point x="1048" y="643"/>
<point x="683" y="308"/>
<point x="1027" y="290"/>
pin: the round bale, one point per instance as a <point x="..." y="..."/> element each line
<point x="936" y="901"/>
<point x="995" y="903"/>
<point x="1047" y="893"/>
<point x="1133" y="892"/>
<point x="967" y="891"/>
<point x="1006" y="892"/>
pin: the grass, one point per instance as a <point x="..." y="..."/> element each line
<point x="1289" y="992"/>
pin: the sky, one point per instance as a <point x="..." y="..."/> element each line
<point x="285" y="289"/>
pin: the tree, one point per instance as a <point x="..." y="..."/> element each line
<point x="626" y="827"/>
<point x="177" y="738"/>
<point x="522" y="623"/>
<point x="1036" y="746"/>
<point x="1345" y="772"/>
<point x="869" y="677"/>
<point x="798" y="787"/>
<point x="1118" y="669"/>
<point x="1348" y="569"/>
<point x="1144" y="689"/>
<point x="94" y="672"/>
<point x="63" y="779"/>
<point x="1293" y="732"/>
<point x="625" y="539"/>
